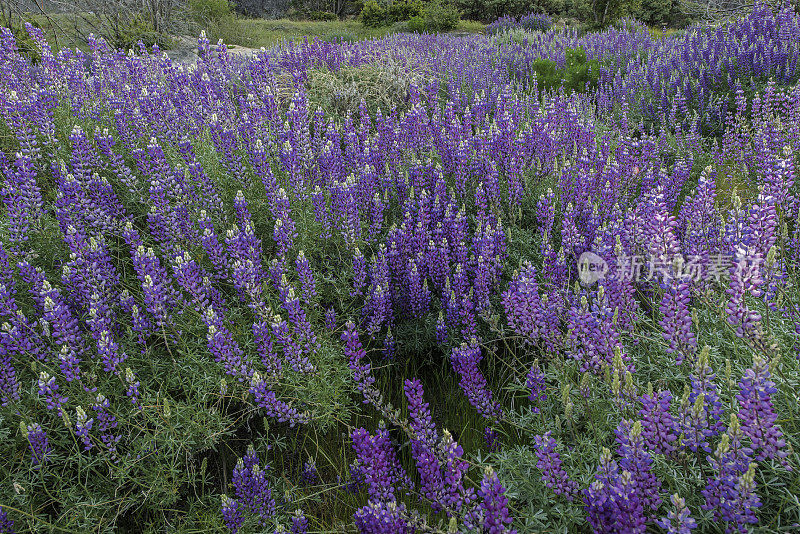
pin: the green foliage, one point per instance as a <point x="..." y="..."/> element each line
<point x="578" y="75"/>
<point x="205" y="11"/>
<point x="322" y="15"/>
<point x="654" y="12"/>
<point x="490" y="10"/>
<point x="401" y="10"/>
<point x="440" y="17"/>
<point x="138" y="29"/>
<point x="26" y="46"/>
<point x="373" y="15"/>
<point x="416" y="25"/>
<point x="605" y="12"/>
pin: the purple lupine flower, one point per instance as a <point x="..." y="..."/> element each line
<point x="82" y="427"/>
<point x="159" y="296"/>
<point x="306" y="338"/>
<point x="225" y="349"/>
<point x="741" y="510"/>
<point x="389" y="346"/>
<point x="38" y="443"/>
<point x="109" y="352"/>
<point x="379" y="517"/>
<point x="659" y="428"/>
<point x="420" y="413"/>
<point x="6" y="524"/>
<point x="491" y="438"/>
<point x="678" y="520"/>
<point x="491" y="514"/>
<point x="252" y="489"/>
<point x="729" y="461"/>
<point x="746" y="278"/>
<point x="292" y="351"/>
<point x="22" y="198"/>
<point x="757" y="413"/>
<point x="106" y="423"/>
<point x="299" y="523"/>
<point x="308" y="287"/>
<point x="379" y="464"/>
<point x="441" y="330"/>
<point x="419" y="294"/>
<point x="330" y="319"/>
<point x="635" y="460"/>
<point x="232" y="514"/>
<point x="535" y="383"/>
<point x="262" y="332"/>
<point x="701" y="410"/>
<point x="611" y="502"/>
<point x="465" y="360"/>
<point x="677" y="320"/>
<point x="439" y="462"/>
<point x="132" y="390"/>
<point x="549" y="463"/>
<point x="362" y="371"/>
<point x="356" y="481"/>
<point x="309" y="475"/>
<point x="49" y="390"/>
<point x="64" y="329"/>
<point x="266" y="399"/>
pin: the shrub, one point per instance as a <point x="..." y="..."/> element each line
<point x="25" y="44"/>
<point x="138" y="29"/>
<point x="546" y="73"/>
<point x="416" y="25"/>
<point x="205" y="11"/>
<point x="401" y="10"/>
<point x="373" y="15"/>
<point x="322" y="15"/>
<point x="577" y="75"/>
<point x="440" y="17"/>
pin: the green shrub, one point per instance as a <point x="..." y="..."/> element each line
<point x="137" y="29"/>
<point x="546" y="73"/>
<point x="322" y="15"/>
<point x="26" y="46"/>
<point x="440" y="17"/>
<point x="373" y="15"/>
<point x="205" y="11"/>
<point x="401" y="10"/>
<point x="578" y="74"/>
<point x="416" y="24"/>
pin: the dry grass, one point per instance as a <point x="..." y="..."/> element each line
<point x="381" y="85"/>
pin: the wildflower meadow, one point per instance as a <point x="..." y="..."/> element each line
<point x="532" y="280"/>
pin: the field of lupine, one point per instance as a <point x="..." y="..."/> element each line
<point x="232" y="301"/>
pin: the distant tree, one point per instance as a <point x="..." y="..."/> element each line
<point x="605" y="12"/>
